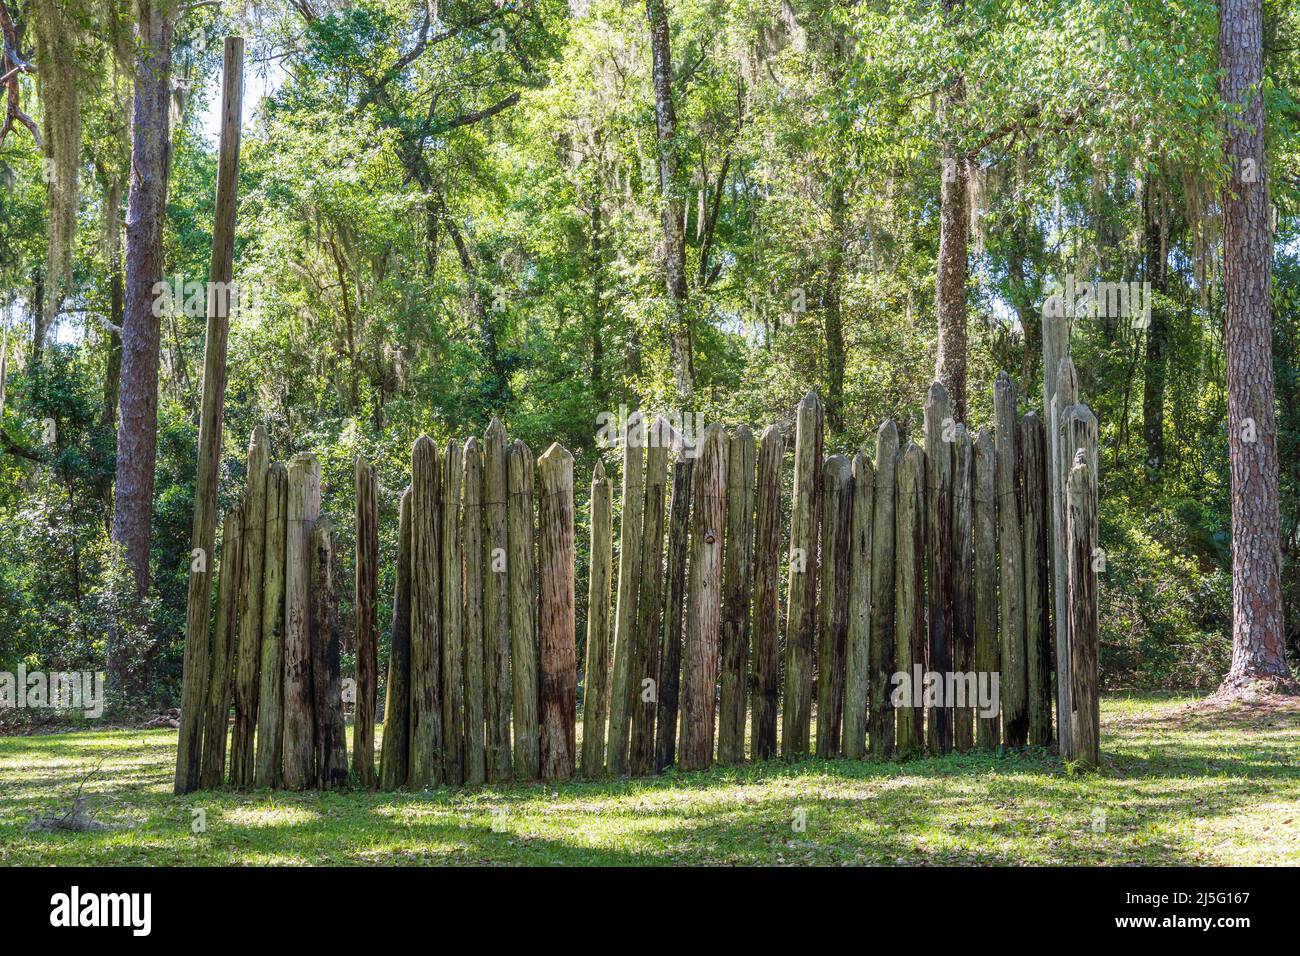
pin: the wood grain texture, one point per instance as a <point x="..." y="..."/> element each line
<point x="631" y="527"/>
<point x="963" y="591"/>
<point x="394" y="766"/>
<point x="556" y="625"/>
<point x="857" y="672"/>
<point x="801" y="614"/>
<point x="248" y="657"/>
<point x="451" y="579"/>
<point x="327" y="677"/>
<point x="883" y="590"/>
<point x="909" y="598"/>
<point x="767" y="595"/>
<point x="1065" y="395"/>
<point x="472" y="558"/>
<point x="216" y="716"/>
<point x="1081" y="532"/>
<point x="595" y="697"/>
<point x="1033" y="511"/>
<point x="496" y="604"/>
<point x="649" y="614"/>
<point x="523" y="610"/>
<point x="1011" y="573"/>
<point x="737" y="584"/>
<point x="425" y="753"/>
<point x="365" y="603"/>
<point x="988" y="652"/>
<point x="670" y="663"/>
<point x="299" y="712"/>
<point x="837" y="524"/>
<point x="270" y="710"/>
<point x="939" y="430"/>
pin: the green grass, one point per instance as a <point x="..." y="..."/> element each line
<point x="1180" y="784"/>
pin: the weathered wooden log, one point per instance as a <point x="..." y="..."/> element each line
<point x="703" y="603"/>
<point x="649" y="613"/>
<point x="472" y="556"/>
<point x="270" y="710"/>
<point x="394" y="766"/>
<point x="216" y="717"/>
<point x="453" y="639"/>
<point x="631" y="527"/>
<point x="249" y="651"/>
<point x="299" y="765"/>
<point x="737" y="574"/>
<point x="940" y="433"/>
<point x="198" y="601"/>
<point x="425" y="752"/>
<point x="963" y="592"/>
<point x="1077" y="432"/>
<point x="555" y="613"/>
<point x="988" y="653"/>
<point x="909" y="599"/>
<point x="327" y="677"/>
<point x="767" y="595"/>
<point x="1033" y="511"/>
<point x="670" y="662"/>
<point x="1011" y="572"/>
<point x="1065" y="394"/>
<point x="496" y="603"/>
<point x="837" y="525"/>
<point x="801" y="614"/>
<point x="595" y="697"/>
<point x="880" y="651"/>
<point x="365" y="604"/>
<point x="857" y="669"/>
<point x="523" y="607"/>
<point x="1081" y="532"/>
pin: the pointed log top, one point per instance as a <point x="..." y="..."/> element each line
<point x="258" y="437"/>
<point x="888" y="431"/>
<point x="1002" y="377"/>
<point x="495" y="430"/>
<point x="1067" y="380"/>
<point x="472" y="445"/>
<point x="453" y="446"/>
<point x="772" y="433"/>
<point x="405" y="500"/>
<point x="983" y="438"/>
<point x="556" y="453"/>
<point x="811" y="400"/>
<point x="744" y="432"/>
<point x="936" y="393"/>
<point x="278" y="469"/>
<point x="303" y="460"/>
<point x="1031" y="417"/>
<point x="520" y="447"/>
<point x="862" y="463"/>
<point x="360" y="464"/>
<point x="598" y="473"/>
<point x="836" y="468"/>
<point x="424" y="442"/>
<point x="323" y="526"/>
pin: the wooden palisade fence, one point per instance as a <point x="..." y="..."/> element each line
<point x="969" y="555"/>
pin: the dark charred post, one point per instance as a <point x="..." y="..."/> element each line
<point x="496" y="603"/>
<point x="963" y="592"/>
<point x="767" y="595"/>
<point x="857" y="674"/>
<point x="837" y="523"/>
<point x="327" y="677"/>
<point x="425" y="754"/>
<point x="472" y="554"/>
<point x="365" y="603"/>
<point x="737" y="575"/>
<point x="645" y="666"/>
<point x="801" y="617"/>
<point x="595" y="698"/>
<point x="940" y="433"/>
<point x="1081" y="530"/>
<point x="270" y="711"/>
<point x="1011" y="573"/>
<point x="555" y="613"/>
<point x="670" y="664"/>
<point x="909" y="599"/>
<point x="631" y="527"/>
<point x="1033" y="510"/>
<point x="299" y="711"/>
<point x="703" y="604"/>
<point x="453" y="638"/>
<point x="393" y="760"/>
<point x="988" y="654"/>
<point x="216" y="718"/>
<point x="523" y="607"/>
<point x="249" y="655"/>
<point x="881" y="651"/>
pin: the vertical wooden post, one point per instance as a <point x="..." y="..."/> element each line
<point x="216" y="717"/>
<point x="1077" y="432"/>
<point x="595" y="698"/>
<point x="988" y="653"/>
<point x="837" y="524"/>
<point x="1011" y="574"/>
<point x="194" y="679"/>
<point x="880" y="651"/>
<point x="703" y="605"/>
<point x="909" y="599"/>
<point x="425" y="754"/>
<point x="857" y="675"/>
<point x="963" y="592"/>
<point x="631" y="507"/>
<point x="365" y="603"/>
<point x="767" y="594"/>
<point x="801" y="616"/>
<point x="1033" y="509"/>
<point x="299" y="719"/>
<point x="394" y="768"/>
<point x="940" y="432"/>
<point x="645" y="667"/>
<point x="327" y="677"/>
<point x="249" y="653"/>
<point x="738" y="559"/>
<point x="453" y="638"/>
<point x="555" y="613"/>
<point x="496" y="603"/>
<point x="1082" y="535"/>
<point x="670" y="663"/>
<point x="1066" y="393"/>
<point x="523" y="605"/>
<point x="472" y="555"/>
<point x="270" y="711"/>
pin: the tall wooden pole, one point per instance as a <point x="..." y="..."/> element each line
<point x="496" y="603"/>
<point x="475" y="675"/>
<point x="738" y="558"/>
<point x="1081" y="531"/>
<point x="940" y="432"/>
<point x="670" y="663"/>
<point x="1065" y="396"/>
<point x="857" y="673"/>
<point x="555" y="613"/>
<point x="767" y="595"/>
<point x="216" y="719"/>
<point x="523" y="610"/>
<point x="883" y="632"/>
<point x="394" y="755"/>
<point x="425" y="755"/>
<point x="631" y="513"/>
<point x="299" y="717"/>
<point x="327" y="678"/>
<point x="801" y="617"/>
<point x="649" y="613"/>
<point x="595" y="698"/>
<point x="249" y="654"/>
<point x="1033" y="510"/>
<point x="270" y="710"/>
<point x="453" y="638"/>
<point x="909" y="599"/>
<point x="988" y="653"/>
<point x="365" y="604"/>
<point x="837" y="525"/>
<point x="194" y="679"/>
<point x="963" y="591"/>
<point x="1011" y="575"/>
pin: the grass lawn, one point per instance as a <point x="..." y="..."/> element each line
<point x="1181" y="783"/>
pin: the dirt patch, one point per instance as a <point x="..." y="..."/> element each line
<point x="1261" y="711"/>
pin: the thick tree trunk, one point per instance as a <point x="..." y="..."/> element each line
<point x="327" y="679"/>
<point x="1153" y="362"/>
<point x="954" y="240"/>
<point x="767" y="594"/>
<point x="1258" y="637"/>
